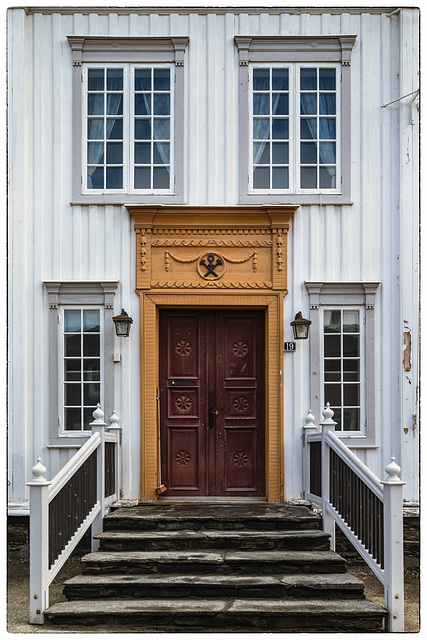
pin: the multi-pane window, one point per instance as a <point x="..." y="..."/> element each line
<point x="128" y="129"/>
<point x="342" y="366"/>
<point x="152" y="129"/>
<point x="270" y="106"/>
<point x="105" y="128"/>
<point x="82" y="366"/>
<point x="294" y="128"/>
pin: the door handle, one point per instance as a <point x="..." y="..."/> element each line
<point x="212" y="413"/>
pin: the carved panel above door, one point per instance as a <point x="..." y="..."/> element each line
<point x="212" y="248"/>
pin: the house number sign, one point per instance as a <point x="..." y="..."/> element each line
<point x="290" y="346"/>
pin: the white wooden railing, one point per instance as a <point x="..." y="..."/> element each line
<point x="367" y="510"/>
<point x="63" y="509"/>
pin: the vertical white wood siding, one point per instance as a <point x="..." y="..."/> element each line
<point x="373" y="239"/>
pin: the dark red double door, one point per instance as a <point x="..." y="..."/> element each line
<point x="212" y="403"/>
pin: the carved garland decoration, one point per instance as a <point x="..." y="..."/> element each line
<point x="169" y="255"/>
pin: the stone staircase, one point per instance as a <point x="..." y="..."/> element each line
<point x="211" y="567"/>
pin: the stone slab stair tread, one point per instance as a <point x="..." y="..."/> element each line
<point x="330" y="580"/>
<point x="341" y="585"/>
<point x="212" y="515"/>
<point x="214" y="557"/>
<point x="112" y="535"/>
<point x="241" y="561"/>
<point x="280" y="605"/>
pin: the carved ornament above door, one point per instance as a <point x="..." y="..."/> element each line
<point x="212" y="248"/>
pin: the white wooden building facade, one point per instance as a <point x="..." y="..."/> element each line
<point x="313" y="109"/>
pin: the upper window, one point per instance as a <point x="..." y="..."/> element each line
<point x="294" y="119"/>
<point x="295" y="129"/>
<point x="128" y="119"/>
<point x="129" y="129"/>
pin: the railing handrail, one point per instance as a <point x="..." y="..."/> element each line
<point x="355" y="464"/>
<point x="73" y="464"/>
<point x="333" y="497"/>
<point x="48" y="499"/>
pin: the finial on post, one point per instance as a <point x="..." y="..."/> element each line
<point x="327" y="414"/>
<point x="38" y="471"/>
<point x="114" y="421"/>
<point x="393" y="470"/>
<point x="309" y="419"/>
<point x="98" y="415"/>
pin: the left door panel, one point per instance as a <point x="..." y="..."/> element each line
<point x="182" y="400"/>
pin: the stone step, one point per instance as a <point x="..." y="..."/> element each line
<point x="237" y="615"/>
<point x="342" y="585"/>
<point x="201" y="516"/>
<point x="301" y="540"/>
<point x="223" y="562"/>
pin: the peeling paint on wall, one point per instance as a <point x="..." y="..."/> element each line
<point x="407" y="350"/>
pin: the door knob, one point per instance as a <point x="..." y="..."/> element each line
<point x="212" y="413"/>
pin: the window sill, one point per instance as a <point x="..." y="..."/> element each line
<point x="124" y="198"/>
<point x="69" y="442"/>
<point x="296" y="198"/>
<point x="356" y="441"/>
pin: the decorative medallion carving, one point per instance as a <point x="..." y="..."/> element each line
<point x="211" y="266"/>
<point x="183" y="457"/>
<point x="240" y="458"/>
<point x="240" y="404"/>
<point x="240" y="348"/>
<point x="183" y="403"/>
<point x="183" y="348"/>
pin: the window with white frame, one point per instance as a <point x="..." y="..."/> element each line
<point x="81" y="367"/>
<point x="343" y="366"/>
<point x="128" y="119"/>
<point x="295" y="128"/>
<point x="342" y="356"/>
<point x="128" y="129"/>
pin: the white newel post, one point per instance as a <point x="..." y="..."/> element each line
<point x="39" y="543"/>
<point x="393" y="547"/>
<point x="117" y="430"/>
<point x="308" y="428"/>
<point x="98" y="426"/>
<point x="327" y="425"/>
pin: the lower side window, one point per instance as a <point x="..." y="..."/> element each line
<point x="81" y="367"/>
<point x="343" y="366"/>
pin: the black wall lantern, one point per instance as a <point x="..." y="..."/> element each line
<point x="300" y="327"/>
<point x="122" y="322"/>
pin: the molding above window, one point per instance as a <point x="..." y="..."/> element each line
<point x="128" y="50"/>
<point x="294" y="49"/>
<point x="104" y="49"/>
<point x="86" y="292"/>
<point x="342" y="294"/>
